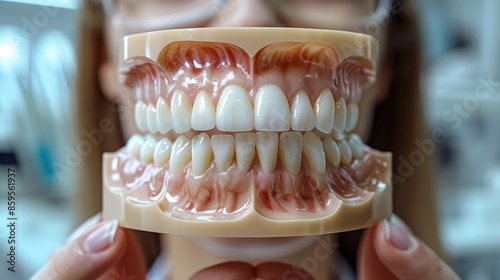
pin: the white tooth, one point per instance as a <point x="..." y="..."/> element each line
<point x="201" y="153"/>
<point x="180" y="110"/>
<point x="302" y="113"/>
<point x="356" y="145"/>
<point x="271" y="110"/>
<point x="313" y="151"/>
<point x="352" y="117"/>
<point x="162" y="152"/>
<point x="163" y="116"/>
<point x="290" y="151"/>
<point x="245" y="150"/>
<point x="345" y="152"/>
<point x="134" y="144"/>
<point x="234" y="110"/>
<point x="152" y="118"/>
<point x="147" y="150"/>
<point x="325" y="111"/>
<point x="340" y="115"/>
<point x="203" y="117"/>
<point x="223" y="147"/>
<point x="332" y="152"/>
<point x="267" y="150"/>
<point x="140" y="114"/>
<point x="181" y="154"/>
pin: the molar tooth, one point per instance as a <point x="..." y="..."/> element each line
<point x="356" y="145"/>
<point x="313" y="151"/>
<point x="140" y="114"/>
<point x="345" y="152"/>
<point x="267" y="150"/>
<point x="271" y="112"/>
<point x="245" y="150"/>
<point x="332" y="152"/>
<point x="181" y="111"/>
<point x="325" y="111"/>
<point x="181" y="154"/>
<point x="152" y="118"/>
<point x="147" y="150"/>
<point x="302" y="112"/>
<point x="163" y="116"/>
<point x="203" y="117"/>
<point x="234" y="111"/>
<point x="340" y="115"/>
<point x="201" y="153"/>
<point x="352" y="117"/>
<point x="290" y="151"/>
<point x="134" y="144"/>
<point x="223" y="147"/>
<point x="162" y="152"/>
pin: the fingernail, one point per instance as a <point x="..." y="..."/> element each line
<point x="397" y="237"/>
<point x="398" y="222"/>
<point x="101" y="238"/>
<point x="85" y="227"/>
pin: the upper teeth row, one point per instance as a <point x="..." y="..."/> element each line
<point x="223" y="149"/>
<point x="234" y="112"/>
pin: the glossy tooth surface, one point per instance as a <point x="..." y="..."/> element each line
<point x="151" y="118"/>
<point x="312" y="147"/>
<point x="302" y="113"/>
<point x="141" y="116"/>
<point x="234" y="111"/>
<point x="201" y="153"/>
<point x="345" y="152"/>
<point x="340" y="115"/>
<point x="181" y="110"/>
<point x="147" y="150"/>
<point x="163" y="116"/>
<point x="290" y="151"/>
<point x="271" y="112"/>
<point x="181" y="154"/>
<point x="324" y="109"/>
<point x="162" y="152"/>
<point x="352" y="117"/>
<point x="267" y="150"/>
<point x="332" y="152"/>
<point x="356" y="145"/>
<point x="245" y="150"/>
<point x="203" y="116"/>
<point x="134" y="144"/>
<point x="223" y="147"/>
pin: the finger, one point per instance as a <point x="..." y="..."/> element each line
<point x="369" y="265"/>
<point x="227" y="271"/>
<point x="87" y="256"/>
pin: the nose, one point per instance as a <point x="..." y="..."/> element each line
<point x="239" y="13"/>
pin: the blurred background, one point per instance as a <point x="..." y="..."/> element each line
<point x="462" y="54"/>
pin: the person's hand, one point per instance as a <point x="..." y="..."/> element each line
<point x="390" y="251"/>
<point x="97" y="249"/>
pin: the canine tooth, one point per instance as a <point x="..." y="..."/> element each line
<point x="151" y="118"/>
<point x="302" y="113"/>
<point x="140" y="114"/>
<point x="290" y="151"/>
<point x="340" y="115"/>
<point x="271" y="110"/>
<point x="234" y="111"/>
<point x="267" y="150"/>
<point x="163" y="116"/>
<point x="332" y="152"/>
<point x="162" y="152"/>
<point x="356" y="145"/>
<point x="352" y="117"/>
<point x="203" y="117"/>
<point x="313" y="151"/>
<point x="223" y="147"/>
<point x="180" y="110"/>
<point x="181" y="154"/>
<point x="345" y="152"/>
<point x="201" y="153"/>
<point x="147" y="150"/>
<point x="245" y="150"/>
<point x="134" y="144"/>
<point x="325" y="111"/>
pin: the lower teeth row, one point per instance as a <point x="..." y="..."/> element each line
<point x="224" y="149"/>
